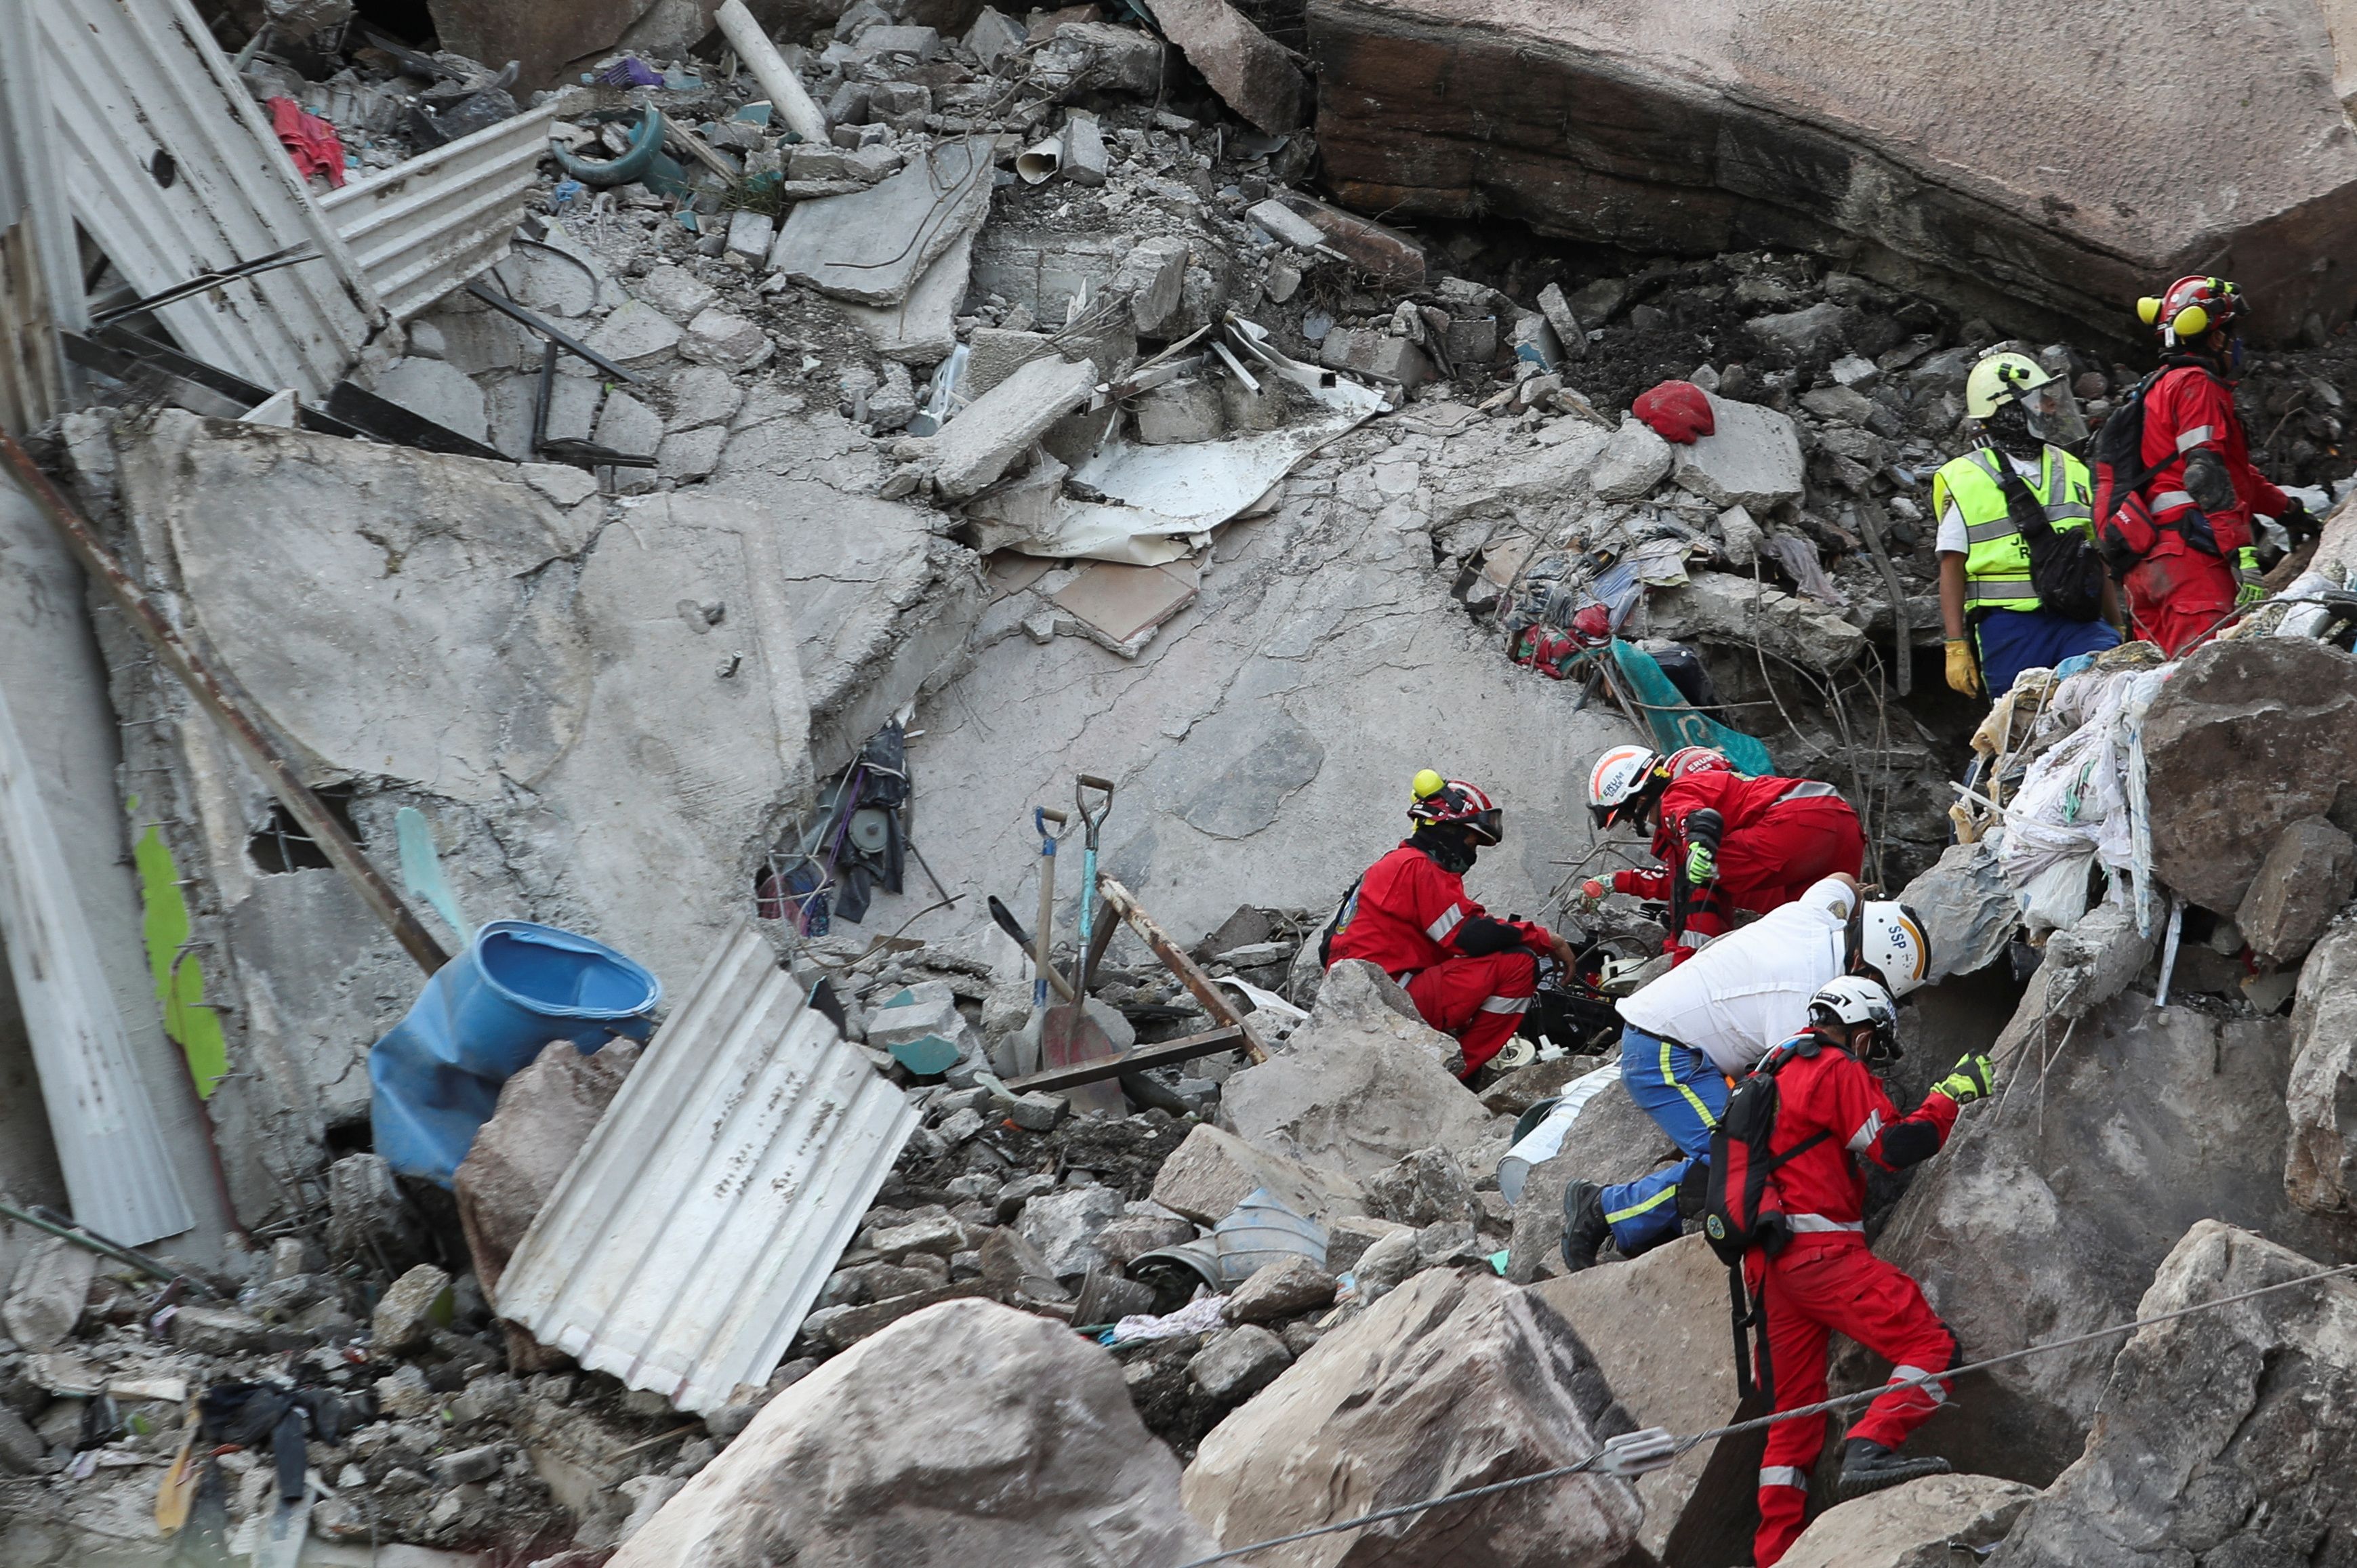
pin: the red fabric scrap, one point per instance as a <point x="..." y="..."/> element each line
<point x="1678" y="411"/>
<point x="310" y="141"/>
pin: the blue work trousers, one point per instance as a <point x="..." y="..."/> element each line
<point x="2011" y="641"/>
<point x="1685" y="1095"/>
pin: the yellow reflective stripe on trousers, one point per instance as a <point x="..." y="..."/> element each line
<point x="1647" y="1207"/>
<point x="1709" y="1122"/>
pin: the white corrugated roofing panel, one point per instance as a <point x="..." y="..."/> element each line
<point x="170" y="165"/>
<point x="423" y="228"/>
<point x="118" y="1177"/>
<point x="698" y="1223"/>
<point x="39" y="280"/>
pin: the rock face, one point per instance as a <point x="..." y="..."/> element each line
<point x="2247" y="737"/>
<point x="1206" y="1177"/>
<point x="1658" y="1329"/>
<point x="1355" y="1090"/>
<point x="968" y="1433"/>
<point x="2225" y="1437"/>
<point x="545" y="1114"/>
<point x="2321" y="1167"/>
<point x="2051" y="1205"/>
<point x="1445" y="1383"/>
<point x="1659" y="128"/>
<point x="1911" y="1526"/>
<point x="1611" y="1142"/>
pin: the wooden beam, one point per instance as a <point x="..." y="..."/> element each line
<point x="1185" y="1049"/>
<point x="1174" y="959"/>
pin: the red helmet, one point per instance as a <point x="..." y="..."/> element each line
<point x="1697" y="759"/>
<point x="2192" y="307"/>
<point x="1677" y="411"/>
<point x="1440" y="802"/>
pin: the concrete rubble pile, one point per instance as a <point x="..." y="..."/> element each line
<point x="772" y="450"/>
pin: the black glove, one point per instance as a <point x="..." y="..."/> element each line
<point x="2295" y="523"/>
<point x="2207" y="482"/>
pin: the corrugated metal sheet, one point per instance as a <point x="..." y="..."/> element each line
<point x="699" y="1222"/>
<point x="36" y="248"/>
<point x="426" y="227"/>
<point x="110" y="1149"/>
<point x="167" y="163"/>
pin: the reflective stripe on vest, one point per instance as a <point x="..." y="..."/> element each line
<point x="1806" y="790"/>
<point x="1996" y="566"/>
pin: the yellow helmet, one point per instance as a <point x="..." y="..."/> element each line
<point x="2000" y="378"/>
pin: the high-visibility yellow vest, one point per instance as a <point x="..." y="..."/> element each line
<point x="1996" y="566"/>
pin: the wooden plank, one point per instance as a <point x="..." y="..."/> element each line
<point x="1185" y="1049"/>
<point x="1174" y="959"/>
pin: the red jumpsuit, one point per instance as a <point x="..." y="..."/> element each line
<point x="1469" y="973"/>
<point x="2180" y="592"/>
<point x="1779" y="837"/>
<point x="1826" y="1280"/>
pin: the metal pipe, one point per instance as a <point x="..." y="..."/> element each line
<point x="787" y="99"/>
<point x="243" y="732"/>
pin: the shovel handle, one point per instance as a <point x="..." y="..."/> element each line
<point x="1093" y="819"/>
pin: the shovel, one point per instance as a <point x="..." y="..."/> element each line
<point x="1071" y="1037"/>
<point x="1027" y="1055"/>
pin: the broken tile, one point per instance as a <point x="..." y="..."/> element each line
<point x="1122" y="601"/>
<point x="1009" y="572"/>
<point x="691" y="454"/>
<point x="676" y="292"/>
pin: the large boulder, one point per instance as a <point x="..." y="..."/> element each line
<point x="1357" y="1088"/>
<point x="2225" y="1437"/>
<point x="546" y="1113"/>
<point x="968" y="1433"/>
<point x="2052" y="1203"/>
<point x="1446" y="1383"/>
<point x="2244" y="740"/>
<point x="2299" y="886"/>
<point x="1612" y="1141"/>
<point x="1207" y="1176"/>
<point x="1657" y="1327"/>
<point x="1918" y="1525"/>
<point x="2320" y="1164"/>
<point x="1656" y="127"/>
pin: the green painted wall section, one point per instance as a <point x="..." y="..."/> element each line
<point x="179" y="978"/>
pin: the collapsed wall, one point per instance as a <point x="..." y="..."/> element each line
<point x="2023" y="163"/>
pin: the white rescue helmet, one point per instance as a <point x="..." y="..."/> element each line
<point x="1891" y="938"/>
<point x="1619" y="781"/>
<point x="1843" y="1005"/>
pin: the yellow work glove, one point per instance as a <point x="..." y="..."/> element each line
<point x="1971" y="1080"/>
<point x="2248" y="589"/>
<point x="1701" y="864"/>
<point x="1964" y="675"/>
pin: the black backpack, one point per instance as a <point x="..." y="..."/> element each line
<point x="2065" y="568"/>
<point x="1734" y="1213"/>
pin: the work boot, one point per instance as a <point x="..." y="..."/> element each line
<point x="1584" y="1226"/>
<point x="1868" y="1466"/>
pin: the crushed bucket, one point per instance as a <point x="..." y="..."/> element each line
<point x="479" y="1021"/>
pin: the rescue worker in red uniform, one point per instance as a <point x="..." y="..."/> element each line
<point x="1470" y="974"/>
<point x="1725" y="840"/>
<point x="1818" y="1278"/>
<point x="2182" y="541"/>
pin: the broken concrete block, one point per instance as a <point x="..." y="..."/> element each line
<point x="1356" y="1089"/>
<point x="433" y="390"/>
<point x="993" y="354"/>
<point x="21" y="1448"/>
<point x="871" y="246"/>
<point x="676" y="292"/>
<point x="1239" y="1364"/>
<point x="1568" y="334"/>
<point x="918" y="43"/>
<point x="1154" y="272"/>
<point x="873" y="162"/>
<point x="366" y="1217"/>
<point x="2245" y="738"/>
<point x="1797" y="336"/>
<point x="1751" y="458"/>
<point x="1922" y="1524"/>
<point x="1633" y="462"/>
<point x="411" y="1307"/>
<point x="700" y="395"/>
<point x="750" y="235"/>
<point x="691" y="454"/>
<point x="636" y="331"/>
<point x="1471" y="341"/>
<point x="2298" y="888"/>
<point x="1133" y="1235"/>
<point x="730" y="342"/>
<point x="922" y="328"/>
<point x="902" y="106"/>
<point x="218" y="1331"/>
<point x="815" y="162"/>
<point x="991" y="36"/>
<point x="939" y="1235"/>
<point x="1063" y="1227"/>
<point x="1284" y="224"/>
<point x="1180" y="412"/>
<point x="1742" y="536"/>
<point x="1206" y="1177"/>
<point x="1286" y="1288"/>
<point x="2320" y="1169"/>
<point x="47" y="1292"/>
<point x="478" y="1464"/>
<point x="546" y="1113"/>
<point x="1349" y="1236"/>
<point x="1718" y="607"/>
<point x="626" y="425"/>
<point x="1346" y="1430"/>
<point x="1084" y="157"/>
<point x="979" y="1433"/>
<point x="976" y="448"/>
<point x="1253" y="74"/>
<point x="2216" y="1398"/>
<point x="1098" y="56"/>
<point x="1424" y="1189"/>
<point x="1377" y="356"/>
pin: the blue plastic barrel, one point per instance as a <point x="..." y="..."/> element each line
<point x="480" y="1020"/>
